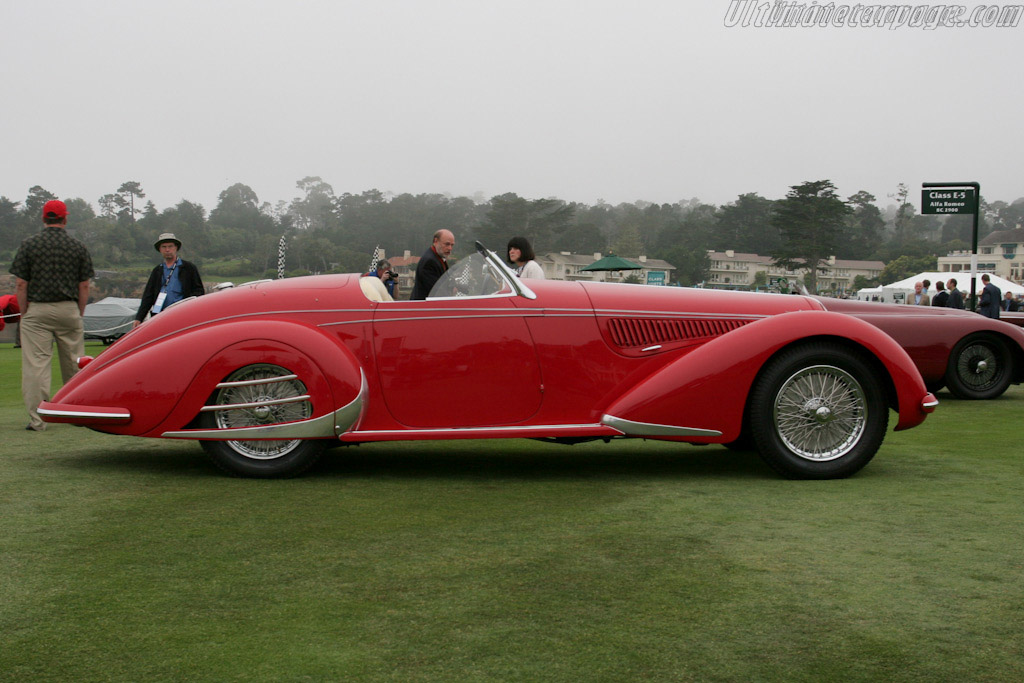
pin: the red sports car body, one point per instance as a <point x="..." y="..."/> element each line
<point x="268" y="374"/>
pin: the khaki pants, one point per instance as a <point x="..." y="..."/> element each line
<point x="43" y="324"/>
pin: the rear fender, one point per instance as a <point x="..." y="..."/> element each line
<point x="705" y="391"/>
<point x="332" y="375"/>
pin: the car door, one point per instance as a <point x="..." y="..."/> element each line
<point x="456" y="362"/>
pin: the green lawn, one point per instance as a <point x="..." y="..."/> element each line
<point x="131" y="560"/>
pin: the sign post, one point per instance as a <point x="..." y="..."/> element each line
<point x="956" y="198"/>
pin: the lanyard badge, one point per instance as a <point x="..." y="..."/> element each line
<point x="163" y="293"/>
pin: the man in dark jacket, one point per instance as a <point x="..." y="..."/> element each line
<point x="941" y="296"/>
<point x="433" y="264"/>
<point x="956" y="299"/>
<point x="1010" y="304"/>
<point x="173" y="280"/>
<point x="988" y="305"/>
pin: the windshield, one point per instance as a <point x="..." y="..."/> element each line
<point x="471" y="276"/>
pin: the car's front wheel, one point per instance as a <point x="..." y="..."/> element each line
<point x="980" y="367"/>
<point x="818" y="411"/>
<point x="254" y="396"/>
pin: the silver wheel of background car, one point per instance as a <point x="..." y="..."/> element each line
<point x="817" y="411"/>
<point x="980" y="367"/>
<point x="265" y="395"/>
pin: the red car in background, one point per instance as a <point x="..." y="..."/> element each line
<point x="973" y="356"/>
<point x="269" y="374"/>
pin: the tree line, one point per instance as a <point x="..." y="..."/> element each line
<point x="330" y="232"/>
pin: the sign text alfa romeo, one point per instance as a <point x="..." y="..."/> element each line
<point x="947" y="200"/>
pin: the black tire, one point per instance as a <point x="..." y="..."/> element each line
<point x="264" y="459"/>
<point x="935" y="386"/>
<point x="818" y="411"/>
<point x="980" y="367"/>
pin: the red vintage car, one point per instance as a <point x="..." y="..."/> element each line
<point x="973" y="356"/>
<point x="267" y="375"/>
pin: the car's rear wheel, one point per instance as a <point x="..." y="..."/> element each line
<point x="817" y="411"/>
<point x="264" y="395"/>
<point x="980" y="367"/>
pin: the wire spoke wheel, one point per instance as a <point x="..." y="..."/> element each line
<point x="820" y="413"/>
<point x="255" y="396"/>
<point x="980" y="367"/>
<point x="250" y="390"/>
<point x="977" y="367"/>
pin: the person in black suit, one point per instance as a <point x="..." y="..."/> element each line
<point x="433" y="264"/>
<point x="988" y="305"/>
<point x="941" y="295"/>
<point x="956" y="299"/>
<point x="1009" y="303"/>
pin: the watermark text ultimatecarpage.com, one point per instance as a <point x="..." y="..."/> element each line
<point x="788" y="14"/>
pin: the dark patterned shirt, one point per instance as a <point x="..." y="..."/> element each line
<point x="53" y="263"/>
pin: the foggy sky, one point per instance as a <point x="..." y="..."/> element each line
<point x="653" y="100"/>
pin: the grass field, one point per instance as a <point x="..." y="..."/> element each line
<point x="132" y="560"/>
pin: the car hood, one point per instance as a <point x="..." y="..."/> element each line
<point x="614" y="298"/>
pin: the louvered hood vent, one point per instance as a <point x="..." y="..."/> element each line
<point x="634" y="333"/>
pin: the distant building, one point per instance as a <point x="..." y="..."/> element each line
<point x="405" y="266"/>
<point x="565" y="265"/>
<point x="734" y="270"/>
<point x="1000" y="253"/>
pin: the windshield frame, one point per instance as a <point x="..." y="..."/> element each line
<point x="515" y="284"/>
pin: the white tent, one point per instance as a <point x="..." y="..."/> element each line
<point x="963" y="282"/>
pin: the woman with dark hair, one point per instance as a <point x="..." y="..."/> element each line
<point x="521" y="255"/>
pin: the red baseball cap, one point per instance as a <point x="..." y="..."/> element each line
<point x="55" y="208"/>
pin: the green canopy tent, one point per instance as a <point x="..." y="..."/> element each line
<point x="612" y="263"/>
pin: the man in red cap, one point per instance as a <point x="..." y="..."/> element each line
<point x="53" y="271"/>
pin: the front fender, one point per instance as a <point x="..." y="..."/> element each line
<point x="704" y="392"/>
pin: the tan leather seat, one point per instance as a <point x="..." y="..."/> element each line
<point x="374" y="289"/>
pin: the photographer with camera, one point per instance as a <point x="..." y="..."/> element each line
<point x="387" y="276"/>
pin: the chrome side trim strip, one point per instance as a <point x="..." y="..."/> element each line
<point x="630" y="428"/>
<point x="254" y="404"/>
<point x="252" y="382"/>
<point x="317" y="428"/>
<point x="512" y="428"/>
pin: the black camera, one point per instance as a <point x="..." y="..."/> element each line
<point x="392" y="274"/>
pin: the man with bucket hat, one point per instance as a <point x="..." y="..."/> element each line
<point x="173" y="280"/>
<point x="53" y="271"/>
